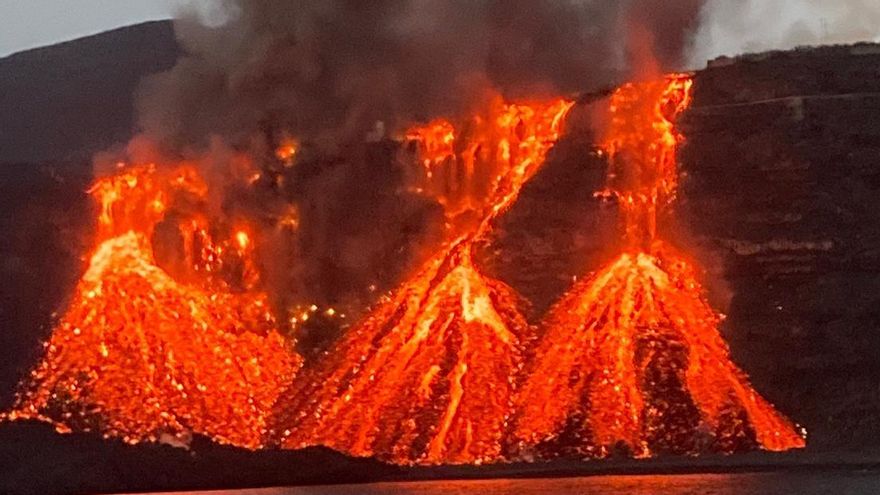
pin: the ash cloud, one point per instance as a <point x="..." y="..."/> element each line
<point x="328" y="70"/>
<point x="735" y="27"/>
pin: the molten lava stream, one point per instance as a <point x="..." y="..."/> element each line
<point x="632" y="356"/>
<point x="139" y="355"/>
<point x="429" y="375"/>
<point x="411" y="382"/>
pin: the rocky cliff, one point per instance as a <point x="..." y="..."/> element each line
<point x="780" y="191"/>
<point x="783" y="183"/>
<point x="779" y="201"/>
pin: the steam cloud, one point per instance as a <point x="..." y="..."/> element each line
<point x="733" y="27"/>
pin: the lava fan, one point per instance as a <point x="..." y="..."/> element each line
<point x="141" y="355"/>
<point x="632" y="359"/>
<point x="429" y="376"/>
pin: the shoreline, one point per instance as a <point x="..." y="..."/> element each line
<point x="36" y="459"/>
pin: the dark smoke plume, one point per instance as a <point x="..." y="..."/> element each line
<point x="328" y="70"/>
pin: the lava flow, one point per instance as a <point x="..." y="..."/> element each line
<point x="141" y="355"/>
<point x="428" y="377"/>
<point x="632" y="360"/>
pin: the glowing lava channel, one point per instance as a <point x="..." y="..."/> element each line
<point x="429" y="376"/>
<point x="632" y="358"/>
<point x="141" y="356"/>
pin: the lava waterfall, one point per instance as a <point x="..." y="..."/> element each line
<point x="632" y="358"/>
<point x="140" y="354"/>
<point x="429" y="376"/>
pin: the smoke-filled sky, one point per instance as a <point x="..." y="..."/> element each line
<point x="329" y="69"/>
<point x="728" y="26"/>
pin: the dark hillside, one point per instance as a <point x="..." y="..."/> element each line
<point x="75" y="98"/>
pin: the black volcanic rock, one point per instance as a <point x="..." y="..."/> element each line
<point x="71" y="100"/>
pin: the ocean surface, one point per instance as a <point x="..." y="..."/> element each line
<point x="795" y="483"/>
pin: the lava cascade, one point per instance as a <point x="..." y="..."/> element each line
<point x="142" y="355"/>
<point x="632" y="359"/>
<point x="429" y="375"/>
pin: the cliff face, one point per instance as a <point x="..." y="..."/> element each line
<point x="779" y="201"/>
<point x="783" y="185"/>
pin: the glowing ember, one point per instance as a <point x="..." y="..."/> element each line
<point x="429" y="376"/>
<point x="287" y="151"/>
<point x="140" y="355"/>
<point x="437" y="141"/>
<point x="632" y="358"/>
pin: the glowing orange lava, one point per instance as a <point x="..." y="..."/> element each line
<point x="141" y="355"/>
<point x="463" y="167"/>
<point x="287" y="151"/>
<point x="632" y="358"/>
<point x="429" y="375"/>
<point x="437" y="141"/>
